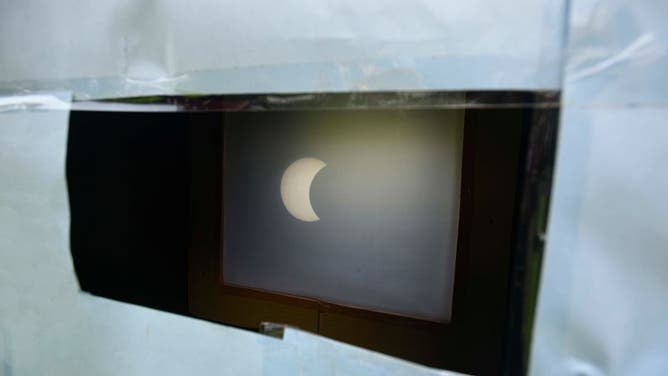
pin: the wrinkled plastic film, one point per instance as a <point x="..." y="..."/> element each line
<point x="602" y="304"/>
<point x="209" y="47"/>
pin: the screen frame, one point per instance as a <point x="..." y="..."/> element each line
<point x="498" y="139"/>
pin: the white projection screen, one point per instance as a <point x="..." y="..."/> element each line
<point x="357" y="208"/>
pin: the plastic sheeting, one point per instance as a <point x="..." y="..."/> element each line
<point x="603" y="305"/>
<point x="107" y="48"/>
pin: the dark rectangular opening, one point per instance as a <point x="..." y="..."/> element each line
<point x="164" y="207"/>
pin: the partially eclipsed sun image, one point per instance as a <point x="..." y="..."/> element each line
<point x="296" y="188"/>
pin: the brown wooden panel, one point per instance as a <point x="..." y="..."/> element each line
<point x="481" y="317"/>
<point x="418" y="344"/>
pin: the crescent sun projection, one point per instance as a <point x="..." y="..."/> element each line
<point x="296" y="188"/>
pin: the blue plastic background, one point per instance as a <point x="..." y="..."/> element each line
<point x="602" y="306"/>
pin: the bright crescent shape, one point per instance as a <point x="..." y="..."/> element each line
<point x="296" y="188"/>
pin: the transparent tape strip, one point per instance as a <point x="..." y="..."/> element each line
<point x="327" y="101"/>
